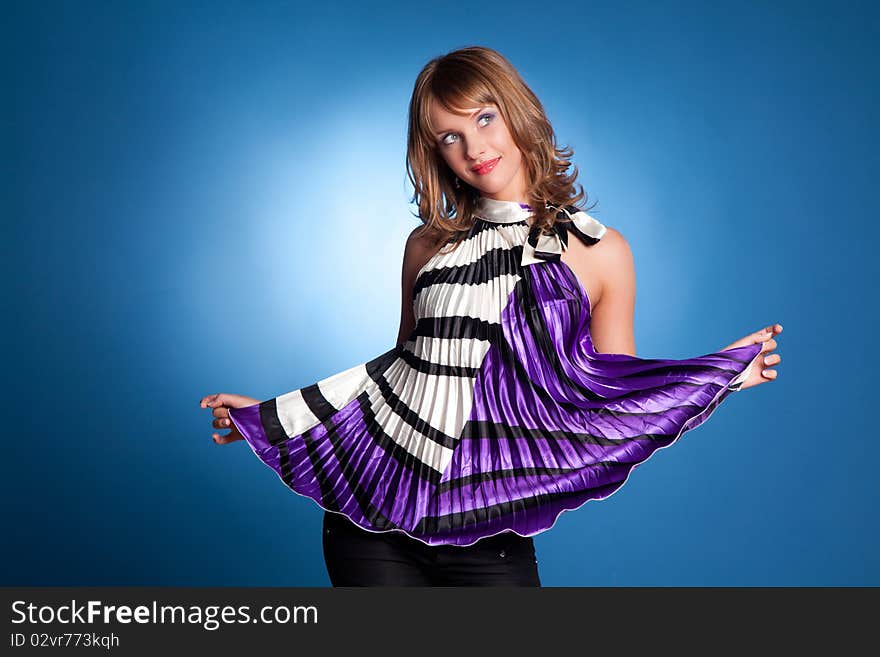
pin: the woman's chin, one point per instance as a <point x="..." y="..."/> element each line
<point x="487" y="188"/>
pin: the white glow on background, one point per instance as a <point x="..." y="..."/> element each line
<point x="328" y="216"/>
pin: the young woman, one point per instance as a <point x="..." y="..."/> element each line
<point x="514" y="392"/>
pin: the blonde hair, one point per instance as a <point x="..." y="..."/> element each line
<point x="471" y="77"/>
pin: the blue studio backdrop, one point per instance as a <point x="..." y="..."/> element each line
<point x="211" y="197"/>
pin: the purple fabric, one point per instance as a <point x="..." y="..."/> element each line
<point x="588" y="447"/>
<point x="553" y="425"/>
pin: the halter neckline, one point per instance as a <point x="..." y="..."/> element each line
<point x="539" y="246"/>
<point x="501" y="212"/>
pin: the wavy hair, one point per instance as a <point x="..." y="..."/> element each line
<point x="471" y="77"/>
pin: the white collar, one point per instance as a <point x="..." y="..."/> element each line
<point x="539" y="247"/>
<point x="501" y="212"/>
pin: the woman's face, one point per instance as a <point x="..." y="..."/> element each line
<point x="480" y="150"/>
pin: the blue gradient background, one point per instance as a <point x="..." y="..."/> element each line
<point x="206" y="197"/>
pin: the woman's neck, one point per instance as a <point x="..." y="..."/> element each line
<point x="521" y="202"/>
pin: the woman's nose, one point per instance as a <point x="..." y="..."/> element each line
<point x="475" y="149"/>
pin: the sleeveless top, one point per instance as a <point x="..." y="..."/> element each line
<point x="497" y="413"/>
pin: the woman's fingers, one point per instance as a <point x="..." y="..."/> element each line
<point x="225" y="422"/>
<point x="220" y="404"/>
<point x="773" y="359"/>
<point x="230" y="437"/>
<point x="209" y="401"/>
<point x="227" y="399"/>
<point x="765" y="337"/>
<point x="769" y="345"/>
<point x="767" y="332"/>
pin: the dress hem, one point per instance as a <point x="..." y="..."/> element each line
<point x="704" y="414"/>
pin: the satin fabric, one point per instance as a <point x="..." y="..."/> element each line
<point x="497" y="413"/>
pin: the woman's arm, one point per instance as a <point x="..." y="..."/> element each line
<point x="419" y="249"/>
<point x="611" y="324"/>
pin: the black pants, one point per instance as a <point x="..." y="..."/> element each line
<point x="357" y="557"/>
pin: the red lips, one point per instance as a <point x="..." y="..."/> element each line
<point x="485" y="167"/>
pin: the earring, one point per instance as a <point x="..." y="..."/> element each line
<point x="457" y="183"/>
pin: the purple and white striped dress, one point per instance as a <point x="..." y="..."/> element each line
<point x="497" y="413"/>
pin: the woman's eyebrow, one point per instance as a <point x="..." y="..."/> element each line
<point x="473" y="114"/>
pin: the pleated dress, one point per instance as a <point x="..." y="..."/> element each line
<point x="497" y="413"/>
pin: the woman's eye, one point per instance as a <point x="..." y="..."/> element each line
<point x="446" y="140"/>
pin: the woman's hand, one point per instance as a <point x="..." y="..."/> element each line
<point x="758" y="374"/>
<point x="221" y="403"/>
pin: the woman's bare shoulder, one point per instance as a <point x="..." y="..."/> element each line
<point x="614" y="262"/>
<point x="613" y="246"/>
<point x="421" y="245"/>
<point x="422" y="236"/>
